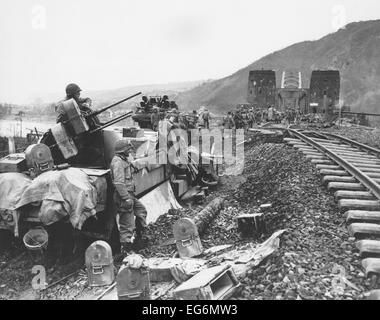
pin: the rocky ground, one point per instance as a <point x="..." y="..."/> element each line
<point x="315" y="255"/>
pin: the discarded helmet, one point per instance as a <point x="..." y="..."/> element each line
<point x="123" y="145"/>
<point x="72" y="89"/>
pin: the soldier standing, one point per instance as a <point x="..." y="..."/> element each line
<point x="128" y="206"/>
<point x="155" y="119"/>
<point x="206" y="118"/>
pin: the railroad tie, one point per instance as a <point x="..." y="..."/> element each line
<point x="354" y="204"/>
<point x="356" y="155"/>
<point x="368" y="248"/>
<point x="371" y="266"/>
<point x="328" y="167"/>
<point x="343" y="173"/>
<point x="346" y="194"/>
<point x="316" y="157"/>
<point x="359" y="160"/>
<point x="329" y="172"/>
<point x="322" y="161"/>
<point x="335" y="186"/>
<point x="328" y="179"/>
<point x="359" y="229"/>
<point x="354" y="216"/>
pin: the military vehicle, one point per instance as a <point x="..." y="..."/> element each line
<point x="66" y="178"/>
<point x="143" y="115"/>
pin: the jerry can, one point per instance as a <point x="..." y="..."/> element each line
<point x="38" y="158"/>
<point x="187" y="238"/>
<point x="75" y="119"/>
<point x="99" y="264"/>
<point x="133" y="283"/>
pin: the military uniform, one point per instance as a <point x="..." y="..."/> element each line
<point x="83" y="104"/>
<point x="155" y="119"/>
<point x="128" y="206"/>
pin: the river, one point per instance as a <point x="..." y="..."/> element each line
<point x="20" y="128"/>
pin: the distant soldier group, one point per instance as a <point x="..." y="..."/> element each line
<point x="245" y="119"/>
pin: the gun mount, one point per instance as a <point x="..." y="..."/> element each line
<point x="77" y="141"/>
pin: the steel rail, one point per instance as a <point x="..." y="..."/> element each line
<point x="355" y="144"/>
<point x="365" y="180"/>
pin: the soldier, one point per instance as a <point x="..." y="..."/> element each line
<point x="228" y="121"/>
<point x="144" y="104"/>
<point x="270" y="113"/>
<point x="128" y="206"/>
<point x="154" y="119"/>
<point x="206" y="118"/>
<point x="165" y="104"/>
<point x="84" y="104"/>
<point x="193" y="120"/>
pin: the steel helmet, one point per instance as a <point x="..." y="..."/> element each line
<point x="72" y="89"/>
<point x="123" y="145"/>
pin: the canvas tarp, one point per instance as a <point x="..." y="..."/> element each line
<point x="61" y="193"/>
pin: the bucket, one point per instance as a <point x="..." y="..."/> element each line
<point x="36" y="239"/>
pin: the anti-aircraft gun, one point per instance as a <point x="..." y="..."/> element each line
<point x="73" y="157"/>
<point x="79" y="140"/>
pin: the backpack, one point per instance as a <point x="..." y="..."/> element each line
<point x="205" y="115"/>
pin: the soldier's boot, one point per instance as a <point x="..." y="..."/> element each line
<point x="141" y="240"/>
<point x="127" y="248"/>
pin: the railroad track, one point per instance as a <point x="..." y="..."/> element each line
<point x="352" y="171"/>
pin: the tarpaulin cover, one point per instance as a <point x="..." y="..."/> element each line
<point x="62" y="193"/>
<point x="12" y="186"/>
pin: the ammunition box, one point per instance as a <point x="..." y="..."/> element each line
<point x="13" y="163"/>
<point x="217" y="283"/>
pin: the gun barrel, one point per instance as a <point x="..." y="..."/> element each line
<point x="110" y="123"/>
<point x="112" y="105"/>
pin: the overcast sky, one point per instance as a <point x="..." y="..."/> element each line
<point x="45" y="44"/>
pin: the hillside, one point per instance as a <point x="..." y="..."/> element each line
<point x="354" y="50"/>
<point x="105" y="97"/>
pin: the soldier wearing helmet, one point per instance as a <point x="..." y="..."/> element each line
<point x="128" y="206"/>
<point x="165" y="104"/>
<point x="84" y="104"/>
<point x="155" y="119"/>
